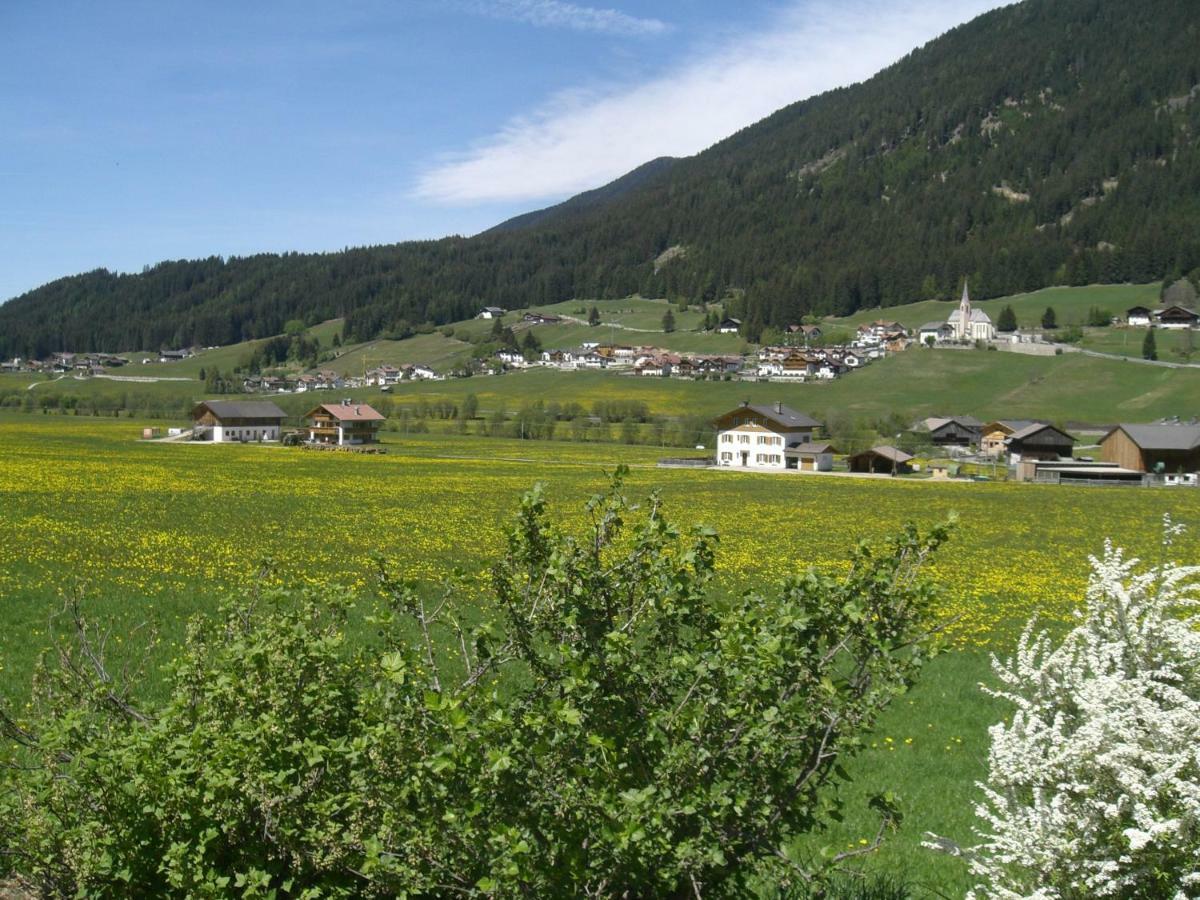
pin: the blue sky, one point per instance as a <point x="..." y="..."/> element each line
<point x="133" y="132"/>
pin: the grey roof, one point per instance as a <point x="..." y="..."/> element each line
<point x="784" y="415"/>
<point x="977" y="315"/>
<point x="1163" y="437"/>
<point x="933" y="423"/>
<point x="1033" y="428"/>
<point x="243" y="409"/>
<point x="1178" y="312"/>
<point x="810" y="447"/>
<point x="888" y="452"/>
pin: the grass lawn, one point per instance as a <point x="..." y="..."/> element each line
<point x="1071" y="306"/>
<point x="434" y="350"/>
<point x="919" y="382"/>
<point x="1170" y="344"/>
<point x="916" y="383"/>
<point x="152" y="532"/>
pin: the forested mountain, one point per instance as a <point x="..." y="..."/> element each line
<point x="590" y="201"/>
<point x="1055" y="141"/>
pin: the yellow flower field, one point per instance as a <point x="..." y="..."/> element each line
<point x="155" y="531"/>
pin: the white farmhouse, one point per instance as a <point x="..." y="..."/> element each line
<point x="233" y="420"/>
<point x="760" y="436"/>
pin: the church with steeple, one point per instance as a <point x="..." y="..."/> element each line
<point x="967" y="324"/>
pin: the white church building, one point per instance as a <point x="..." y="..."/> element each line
<point x="967" y="324"/>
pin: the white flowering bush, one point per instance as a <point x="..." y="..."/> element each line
<point x="1093" y="788"/>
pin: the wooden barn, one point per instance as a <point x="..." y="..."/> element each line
<point x="1153" y="448"/>
<point x="1039" y="441"/>
<point x="223" y="421"/>
<point x="952" y="431"/>
<point x="882" y="460"/>
<point x="1178" y="317"/>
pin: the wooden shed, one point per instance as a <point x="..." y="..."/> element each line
<point x="810" y="457"/>
<point x="882" y="460"/>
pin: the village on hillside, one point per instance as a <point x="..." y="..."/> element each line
<point x="804" y="355"/>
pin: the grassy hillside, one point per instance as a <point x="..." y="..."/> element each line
<point x="1072" y="387"/>
<point x="1071" y="306"/>
<point x="434" y="350"/>
<point x="919" y="382"/>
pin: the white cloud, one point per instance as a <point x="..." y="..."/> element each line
<point x="559" y="14"/>
<point x="582" y="139"/>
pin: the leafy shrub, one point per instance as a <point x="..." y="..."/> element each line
<point x="608" y="728"/>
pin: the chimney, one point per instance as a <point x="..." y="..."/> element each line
<point x="346" y="401"/>
<point x="745" y="403"/>
<point x="779" y="407"/>
<point x="358" y="410"/>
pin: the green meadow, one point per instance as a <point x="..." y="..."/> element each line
<point x="150" y="533"/>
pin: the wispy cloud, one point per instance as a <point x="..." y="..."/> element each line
<point x="559" y="14"/>
<point x="581" y="139"/>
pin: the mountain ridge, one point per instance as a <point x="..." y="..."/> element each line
<point x="1048" y="142"/>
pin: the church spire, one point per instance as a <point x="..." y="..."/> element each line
<point x="964" y="314"/>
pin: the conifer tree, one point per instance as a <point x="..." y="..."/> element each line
<point x="1149" y="346"/>
<point x="1007" y="321"/>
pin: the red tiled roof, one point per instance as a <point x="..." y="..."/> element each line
<point x="353" y="412"/>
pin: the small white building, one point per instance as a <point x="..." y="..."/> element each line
<point x="934" y="333"/>
<point x="729" y="326"/>
<point x="225" y="421"/>
<point x="513" y="358"/>
<point x="1138" y="317"/>
<point x="758" y="436"/>
<point x="491" y="312"/>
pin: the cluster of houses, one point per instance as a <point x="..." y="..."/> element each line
<point x="1171" y="317"/>
<point x="771" y="363"/>
<point x="777" y="438"/>
<point x="59" y="363"/>
<point x="85" y="363"/>
<point x="326" y="379"/>
<point x="641" y="360"/>
<point x="342" y="424"/>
